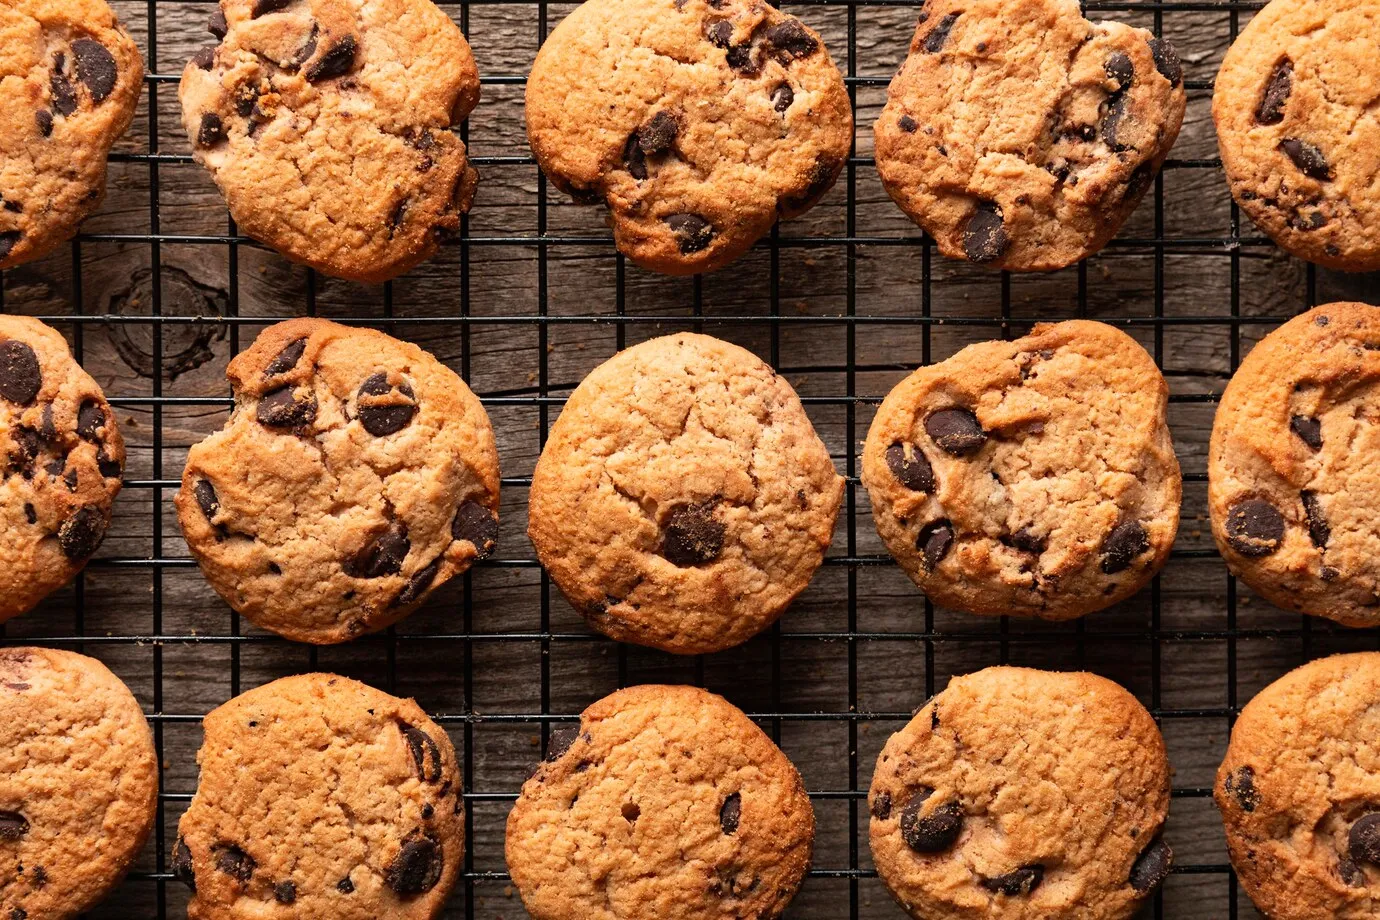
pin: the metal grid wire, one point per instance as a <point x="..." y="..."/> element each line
<point x="843" y="650"/>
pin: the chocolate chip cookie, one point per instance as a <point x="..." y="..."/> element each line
<point x="326" y="124"/>
<point x="1299" y="792"/>
<point x="683" y="499"/>
<point x="1023" y="794"/>
<point x="665" y="802"/>
<point x="1298" y="128"/>
<point x="72" y="77"/>
<point x="62" y="462"/>
<point x="1032" y="478"/>
<point x="698" y="122"/>
<point x="321" y="797"/>
<point x="355" y="475"/>
<point x="1292" y="466"/>
<point x="78" y="783"/>
<point x="1020" y="135"/>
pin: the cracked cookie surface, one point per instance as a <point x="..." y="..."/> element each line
<point x="698" y="123"/>
<point x="683" y="498"/>
<point x="1034" y="477"/>
<point x="1018" y="793"/>
<point x="355" y="475"/>
<point x="1297" y="107"/>
<point x="326" y="125"/>
<point x="1021" y="135"/>
<point x="1299" y="792"/>
<point x="321" y="798"/>
<point x="70" y="78"/>
<point x="62" y="458"/>
<point x="666" y="802"/>
<point x="78" y="783"/>
<point x="1294" y="465"/>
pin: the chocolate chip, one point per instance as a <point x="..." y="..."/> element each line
<point x="30" y="514"/>
<point x="211" y="131"/>
<point x="345" y="886"/>
<point x="286" y="359"/>
<point x="1167" y="61"/>
<point x="984" y="237"/>
<point x="44" y="119"/>
<point x="1020" y="881"/>
<point x="20" y="378"/>
<point x="18" y="913"/>
<point x="939" y="35"/>
<point x="881" y="806"/>
<point x="281" y="408"/>
<point x="1241" y="784"/>
<point x="383" y="555"/>
<point x="383" y="420"/>
<point x="1119" y="68"/>
<point x="95" y="68"/>
<point x="934" y="832"/>
<point x="692" y="535"/>
<point x="934" y="542"/>
<point x="1350" y="872"/>
<point x="285" y="892"/>
<point x="720" y="33"/>
<point x="308" y="48"/>
<point x="1307" y="157"/>
<point x="1151" y="867"/>
<point x="782" y="97"/>
<point x="908" y="124"/>
<point x="426" y="755"/>
<point x="64" y="97"/>
<point x="634" y="160"/>
<point x="1111" y="121"/>
<point x="561" y="741"/>
<point x="337" y="61"/>
<point x="182" y="864"/>
<point x="233" y="861"/>
<point x="81" y="534"/>
<point x="956" y="431"/>
<point x="13" y="825"/>
<point x="1270" y="111"/>
<point x="1308" y="429"/>
<point x="1363" y="843"/>
<point x="90" y="420"/>
<point x="1126" y="541"/>
<point x="658" y="135"/>
<point x="730" y="813"/>
<point x="791" y="41"/>
<point x="693" y="233"/>
<point x="477" y="524"/>
<point x="8" y="240"/>
<point x="417" y="867"/>
<point x="419" y="582"/>
<point x="1318" y="530"/>
<point x="396" y="216"/>
<point x="1254" y="527"/>
<point x="910" y="467"/>
<point x="264" y="7"/>
<point x="205" y="58"/>
<point x="743" y="59"/>
<point x="217" y="25"/>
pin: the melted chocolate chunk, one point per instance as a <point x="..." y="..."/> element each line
<point x="782" y="97"/>
<point x="281" y="408"/>
<point x="881" y="806"/>
<point x="934" y="542"/>
<point x="90" y="420"/>
<point x="95" y="68"/>
<point x="1167" y="61"/>
<point x="345" y="886"/>
<point x="233" y="861"/>
<point x="477" y="524"/>
<point x="383" y="420"/>
<point x="211" y="131"/>
<point x="692" y="535"/>
<point x="81" y="534"/>
<point x="285" y="892"/>
<point x="730" y="813"/>
<point x="308" y="48"/>
<point x="8" y="240"/>
<point x="984" y="237"/>
<point x="658" y="135"/>
<point x="286" y="359"/>
<point x="1270" y="111"/>
<point x="1017" y="882"/>
<point x="693" y="233"/>
<point x="934" y="832"/>
<point x="1151" y="867"/>
<point x="908" y="124"/>
<point x="182" y="864"/>
<point x="1126" y="541"/>
<point x="1363" y="842"/>
<point x="205" y="58"/>
<point x="1307" y="157"/>
<point x="338" y="60"/>
<point x="720" y="33"/>
<point x="217" y="25"/>
<point x="60" y="88"/>
<point x="383" y="555"/>
<point x="20" y="378"/>
<point x="561" y="740"/>
<point x="426" y="755"/>
<point x="44" y="119"/>
<point x="1318" y="530"/>
<point x="13" y="825"/>
<point x="417" y="867"/>
<point x="790" y="41"/>
<point x="1308" y="429"/>
<point x="1111" y="121"/>
<point x="1254" y="527"/>
<point x="418" y="584"/>
<point x="956" y="431"/>
<point x="264" y="7"/>
<point x="910" y="467"/>
<point x="939" y="35"/>
<point x="206" y="500"/>
<point x="1240" y="783"/>
<point x="1119" y="68"/>
<point x="634" y="160"/>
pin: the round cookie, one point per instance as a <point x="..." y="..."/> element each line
<point x="62" y="458"/>
<point x="355" y="475"/>
<point x="321" y="798"/>
<point x="1299" y="131"/>
<point x="1021" y="135"/>
<point x="666" y="802"/>
<point x="683" y="499"/>
<point x="326" y="124"/>
<point x="78" y="783"/>
<point x="1299" y="792"/>
<point x="1294" y="465"/>
<point x="1023" y="794"/>
<point x="1031" y="478"/>
<point x="70" y="77"/>
<point x="698" y="122"/>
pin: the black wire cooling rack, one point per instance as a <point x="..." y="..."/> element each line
<point x="530" y="297"/>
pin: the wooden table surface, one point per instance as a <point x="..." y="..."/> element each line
<point x="860" y="649"/>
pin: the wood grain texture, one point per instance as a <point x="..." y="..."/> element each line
<point x="479" y="307"/>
